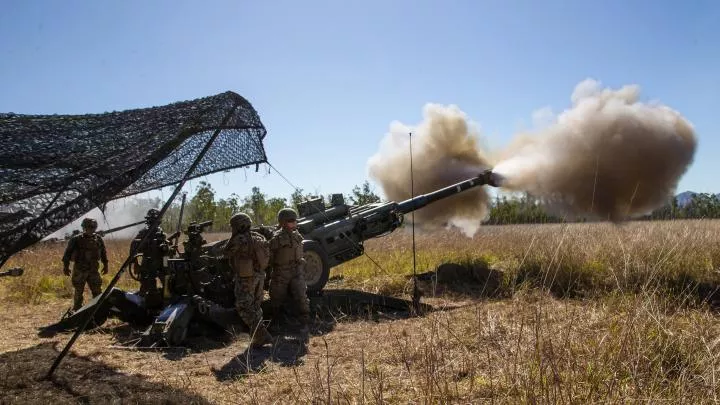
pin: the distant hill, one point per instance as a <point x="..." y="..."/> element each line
<point x="685" y="197"/>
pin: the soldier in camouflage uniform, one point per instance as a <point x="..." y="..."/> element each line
<point x="155" y="251"/>
<point x="248" y="256"/>
<point x="288" y="276"/>
<point x="85" y="250"/>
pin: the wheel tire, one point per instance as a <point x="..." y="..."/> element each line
<point x="317" y="270"/>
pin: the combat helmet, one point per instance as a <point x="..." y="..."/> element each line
<point x="152" y="216"/>
<point x="240" y="222"/>
<point x="89" y="223"/>
<point x="286" y="214"/>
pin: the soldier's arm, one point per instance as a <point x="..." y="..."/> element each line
<point x="299" y="249"/>
<point x="103" y="251"/>
<point x="69" y="250"/>
<point x="262" y="252"/>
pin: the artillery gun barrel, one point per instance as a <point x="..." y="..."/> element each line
<point x="205" y="224"/>
<point x="119" y="228"/>
<point x="485" y="178"/>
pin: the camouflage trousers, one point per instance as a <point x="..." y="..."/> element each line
<point x="82" y="276"/>
<point x="289" y="281"/>
<point x="248" y="299"/>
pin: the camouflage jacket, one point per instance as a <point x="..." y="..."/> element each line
<point x="247" y="253"/>
<point x="85" y="251"/>
<point x="286" y="250"/>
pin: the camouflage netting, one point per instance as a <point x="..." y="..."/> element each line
<point x="55" y="168"/>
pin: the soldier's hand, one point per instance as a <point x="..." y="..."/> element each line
<point x="104" y="269"/>
<point x="66" y="270"/>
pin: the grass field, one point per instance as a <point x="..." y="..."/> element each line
<point x="557" y="313"/>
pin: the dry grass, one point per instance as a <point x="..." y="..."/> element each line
<point x="527" y="350"/>
<point x="587" y="313"/>
<point x="44" y="281"/>
<point x="571" y="260"/>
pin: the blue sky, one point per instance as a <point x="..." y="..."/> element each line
<point x="328" y="77"/>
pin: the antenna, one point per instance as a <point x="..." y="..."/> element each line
<point x="416" y="291"/>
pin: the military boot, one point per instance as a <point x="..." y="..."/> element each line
<point x="261" y="337"/>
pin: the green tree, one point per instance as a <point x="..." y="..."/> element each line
<point x="261" y="208"/>
<point x="298" y="196"/>
<point x="202" y="206"/>
<point x="224" y="210"/>
<point x="274" y="205"/>
<point x="363" y="195"/>
<point x="254" y="205"/>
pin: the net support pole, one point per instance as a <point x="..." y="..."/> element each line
<point x="416" y="290"/>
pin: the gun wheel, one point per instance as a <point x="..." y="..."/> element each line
<point x="317" y="270"/>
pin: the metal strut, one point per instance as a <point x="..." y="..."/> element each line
<point x="152" y="227"/>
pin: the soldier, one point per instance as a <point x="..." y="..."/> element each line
<point x="288" y="276"/>
<point x="248" y="255"/>
<point x="154" y="252"/>
<point x="85" y="250"/>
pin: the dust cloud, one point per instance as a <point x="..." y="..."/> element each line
<point x="608" y="157"/>
<point x="445" y="151"/>
<point x="117" y="213"/>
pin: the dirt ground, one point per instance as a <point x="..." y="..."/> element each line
<point x="100" y="370"/>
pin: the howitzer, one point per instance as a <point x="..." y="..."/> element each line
<point x="198" y="285"/>
<point x="334" y="235"/>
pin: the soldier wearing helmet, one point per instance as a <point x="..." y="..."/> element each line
<point x="85" y="250"/>
<point x="154" y="250"/>
<point x="152" y="216"/>
<point x="248" y="256"/>
<point x="287" y="261"/>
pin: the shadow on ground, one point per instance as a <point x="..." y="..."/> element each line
<point x="285" y="350"/>
<point x="78" y="380"/>
<point x="476" y="279"/>
<point x="202" y="337"/>
<point x="333" y="306"/>
<point x="328" y="308"/>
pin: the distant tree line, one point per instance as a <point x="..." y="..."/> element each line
<point x="701" y="205"/>
<point x="518" y="210"/>
<point x="525" y="210"/>
<point x="262" y="208"/>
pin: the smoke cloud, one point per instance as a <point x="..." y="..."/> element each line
<point x="609" y="157"/>
<point x="117" y="213"/>
<point x="445" y="151"/>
